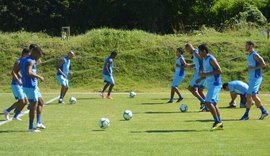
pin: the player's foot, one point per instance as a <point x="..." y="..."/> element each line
<point x="109" y="97"/>
<point x="34" y="130"/>
<point x="17" y="119"/>
<point x="180" y="99"/>
<point x="231" y="106"/>
<point x="170" y="101"/>
<point x="60" y="101"/>
<point x="245" y="117"/>
<point x="242" y="106"/>
<point x="41" y="126"/>
<point x="6" y="113"/>
<point x="102" y="95"/>
<point x="203" y="109"/>
<point x="263" y="115"/>
<point x="217" y="126"/>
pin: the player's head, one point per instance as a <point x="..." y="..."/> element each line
<point x="31" y="46"/>
<point x="113" y="54"/>
<point x="71" y="55"/>
<point x="250" y="46"/>
<point x="36" y="53"/>
<point x="204" y="50"/>
<point x="179" y="51"/>
<point x="189" y="48"/>
<point x="225" y="86"/>
<point x="25" y="52"/>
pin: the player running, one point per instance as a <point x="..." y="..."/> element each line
<point x="236" y="87"/>
<point x="211" y="72"/>
<point x="179" y="75"/>
<point x="62" y="74"/>
<point x="197" y="64"/>
<point x="29" y="81"/>
<point x="16" y="86"/>
<point x="108" y="75"/>
<point x="255" y="65"/>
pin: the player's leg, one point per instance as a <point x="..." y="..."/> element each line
<point x="243" y="100"/>
<point x="21" y="103"/>
<point x="18" y="96"/>
<point x="258" y="103"/>
<point x="66" y="86"/>
<point x="63" y="84"/>
<point x="179" y="94"/>
<point x="39" y="112"/>
<point x="111" y="81"/>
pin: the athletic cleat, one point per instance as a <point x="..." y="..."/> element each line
<point x="242" y="106"/>
<point x="102" y="95"/>
<point x="217" y="126"/>
<point x="109" y="97"/>
<point x="171" y="101"/>
<point x="6" y="113"/>
<point x="245" y="117"/>
<point x="60" y="101"/>
<point x="41" y="126"/>
<point x="263" y="115"/>
<point x="203" y="109"/>
<point x="180" y="99"/>
<point x="34" y="130"/>
<point x="17" y="119"/>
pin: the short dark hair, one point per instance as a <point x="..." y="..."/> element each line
<point x="181" y="50"/>
<point x="224" y="85"/>
<point x="113" y="53"/>
<point x="36" y="49"/>
<point x="203" y="47"/>
<point x="31" y="46"/>
<point x="250" y="43"/>
<point x="25" y="51"/>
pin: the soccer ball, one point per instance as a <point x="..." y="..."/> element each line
<point x="132" y="94"/>
<point x="183" y="108"/>
<point x="127" y="115"/>
<point x="104" y="123"/>
<point x="72" y="100"/>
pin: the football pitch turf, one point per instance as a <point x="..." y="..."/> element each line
<point x="156" y="128"/>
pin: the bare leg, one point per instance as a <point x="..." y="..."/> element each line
<point x="105" y="87"/>
<point x="200" y="91"/>
<point x="110" y="89"/>
<point x="33" y="108"/>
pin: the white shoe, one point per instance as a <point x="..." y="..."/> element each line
<point x="41" y="126"/>
<point x="6" y="113"/>
<point x="34" y="130"/>
<point x="17" y="119"/>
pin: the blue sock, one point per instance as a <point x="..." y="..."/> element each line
<point x="202" y="100"/>
<point x="247" y="111"/>
<point x="17" y="112"/>
<point x="9" y="109"/>
<point x="262" y="109"/>
<point x="180" y="96"/>
<point x="216" y="118"/>
<point x="38" y="118"/>
<point x="31" y="124"/>
<point x="171" y="99"/>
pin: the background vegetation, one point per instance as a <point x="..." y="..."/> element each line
<point x="156" y="16"/>
<point x="145" y="60"/>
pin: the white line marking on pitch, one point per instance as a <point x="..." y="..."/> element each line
<point x="27" y="111"/>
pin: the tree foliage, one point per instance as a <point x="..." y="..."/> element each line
<point x="158" y="16"/>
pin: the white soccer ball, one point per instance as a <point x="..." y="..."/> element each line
<point x="132" y="94"/>
<point x="104" y="123"/>
<point x="127" y="115"/>
<point x="183" y="108"/>
<point x="72" y="100"/>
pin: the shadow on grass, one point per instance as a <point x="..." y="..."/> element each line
<point x="229" y="108"/>
<point x="170" y="131"/>
<point x="153" y="103"/>
<point x="98" y="130"/>
<point x="171" y="112"/>
<point x="211" y="120"/>
<point x="11" y="131"/>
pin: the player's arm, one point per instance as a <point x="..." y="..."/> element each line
<point x="107" y="67"/>
<point x="16" y="74"/>
<point x="261" y="62"/>
<point x="183" y="62"/>
<point x="30" y="73"/>
<point x="216" y="66"/>
<point x="60" y="63"/>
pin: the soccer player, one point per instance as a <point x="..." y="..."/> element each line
<point x="179" y="75"/>
<point x="255" y="65"/>
<point x="197" y="64"/>
<point x="236" y="87"/>
<point x="62" y="74"/>
<point x="29" y="81"/>
<point x="16" y="86"/>
<point x="211" y="72"/>
<point x="108" y="75"/>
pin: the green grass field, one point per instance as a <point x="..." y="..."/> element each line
<point x="155" y="129"/>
